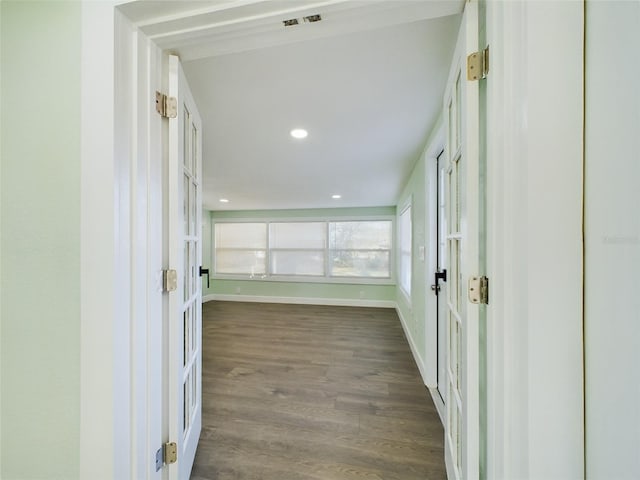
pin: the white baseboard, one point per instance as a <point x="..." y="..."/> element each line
<point x="338" y="302"/>
<point x="414" y="350"/>
<point x="437" y="401"/>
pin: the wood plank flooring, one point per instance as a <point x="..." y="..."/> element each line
<point x="300" y="392"/>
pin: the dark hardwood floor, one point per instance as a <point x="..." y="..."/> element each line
<point x="299" y="392"/>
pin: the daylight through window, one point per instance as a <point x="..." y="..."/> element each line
<point x="358" y="249"/>
<point x="404" y="239"/>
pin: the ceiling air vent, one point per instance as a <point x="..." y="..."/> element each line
<point x="308" y="19"/>
<point x="313" y="18"/>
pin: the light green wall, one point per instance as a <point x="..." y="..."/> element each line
<point x="419" y="314"/>
<point x="414" y="313"/>
<point x="40" y="243"/>
<point x="355" y="292"/>
<point x="304" y="290"/>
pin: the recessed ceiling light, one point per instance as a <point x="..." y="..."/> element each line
<point x="336" y="197"/>
<point x="299" y="133"/>
<point x="224" y="200"/>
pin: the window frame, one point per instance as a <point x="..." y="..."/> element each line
<point x="407" y="205"/>
<point x="269" y="277"/>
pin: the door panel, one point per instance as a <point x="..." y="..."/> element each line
<point x="441" y="267"/>
<point x="461" y="181"/>
<point x="185" y="253"/>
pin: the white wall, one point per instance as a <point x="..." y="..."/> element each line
<point x="612" y="240"/>
<point x="534" y="319"/>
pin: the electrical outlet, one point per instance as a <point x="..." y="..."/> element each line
<point x="361" y="293"/>
<point x="237" y="290"/>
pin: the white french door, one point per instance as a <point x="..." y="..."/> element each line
<point x="185" y="253"/>
<point x="439" y="285"/>
<point x="461" y="316"/>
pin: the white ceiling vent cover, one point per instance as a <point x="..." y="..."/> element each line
<point x="308" y="19"/>
<point x="313" y="18"/>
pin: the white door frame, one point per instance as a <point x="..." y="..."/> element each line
<point x="434" y="146"/>
<point x="121" y="211"/>
<point x="140" y="155"/>
<point x="534" y="248"/>
<point x="104" y="367"/>
<point x="142" y="69"/>
<point x="528" y="369"/>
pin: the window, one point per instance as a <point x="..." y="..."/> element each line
<point x="360" y="249"/>
<point x="404" y="240"/>
<point x="241" y="248"/>
<point x="320" y="250"/>
<point x="297" y="248"/>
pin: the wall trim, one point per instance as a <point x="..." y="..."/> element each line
<point x="338" y="302"/>
<point x="104" y="426"/>
<point x="414" y="350"/>
<point x="437" y="401"/>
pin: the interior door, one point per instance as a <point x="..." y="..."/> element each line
<point x="462" y="194"/>
<point x="440" y="276"/>
<point x="185" y="253"/>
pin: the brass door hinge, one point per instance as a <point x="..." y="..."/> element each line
<point x="169" y="280"/>
<point x="478" y="65"/>
<point x="479" y="290"/>
<point x="170" y="453"/>
<point x="166" y="106"/>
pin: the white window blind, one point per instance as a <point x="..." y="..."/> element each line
<point x="241" y="248"/>
<point x="297" y="248"/>
<point x="404" y="240"/>
<point x="358" y="249"/>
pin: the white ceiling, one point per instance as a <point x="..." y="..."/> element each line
<point x="366" y="82"/>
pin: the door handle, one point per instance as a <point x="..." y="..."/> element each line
<point x="439" y="275"/>
<point x="205" y="271"/>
